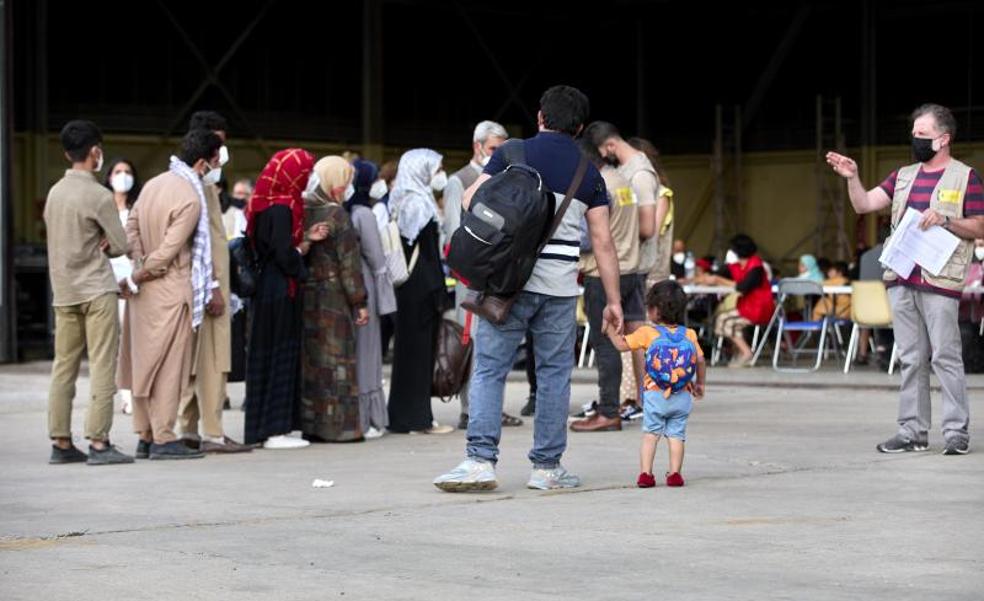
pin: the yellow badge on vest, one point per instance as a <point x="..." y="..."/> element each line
<point x="951" y="196"/>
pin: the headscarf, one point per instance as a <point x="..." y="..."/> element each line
<point x="333" y="172"/>
<point x="281" y="183"/>
<point x="411" y="199"/>
<point x="812" y="270"/>
<point x="366" y="173"/>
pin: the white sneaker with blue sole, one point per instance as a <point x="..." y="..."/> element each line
<point x="471" y="474"/>
<point x="551" y="479"/>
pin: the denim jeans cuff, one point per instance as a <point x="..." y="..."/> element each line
<point x="545" y="466"/>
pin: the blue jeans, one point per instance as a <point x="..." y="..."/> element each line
<point x="552" y="322"/>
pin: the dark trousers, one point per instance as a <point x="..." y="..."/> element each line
<point x="607" y="357"/>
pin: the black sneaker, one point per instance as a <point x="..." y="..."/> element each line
<point x="108" y="455"/>
<point x="630" y="412"/>
<point x="901" y="444"/>
<point x="143" y="449"/>
<point x="173" y="450"/>
<point x="69" y="455"/>
<point x="529" y="409"/>
<point x="587" y="410"/>
<point x="956" y="447"/>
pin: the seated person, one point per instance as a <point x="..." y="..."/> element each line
<point x="754" y="305"/>
<point x="836" y="305"/>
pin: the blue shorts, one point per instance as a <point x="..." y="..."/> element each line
<point x="666" y="416"/>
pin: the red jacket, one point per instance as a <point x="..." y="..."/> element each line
<point x="756" y="305"/>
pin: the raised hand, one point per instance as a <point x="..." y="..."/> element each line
<point x="842" y="165"/>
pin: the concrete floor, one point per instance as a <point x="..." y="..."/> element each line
<point x="786" y="498"/>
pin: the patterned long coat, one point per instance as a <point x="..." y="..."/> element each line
<point x="333" y="291"/>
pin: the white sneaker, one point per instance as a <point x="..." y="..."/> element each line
<point x="285" y="442"/>
<point x="470" y="474"/>
<point x="558" y="477"/>
<point x="372" y="433"/>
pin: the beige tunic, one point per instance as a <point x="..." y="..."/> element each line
<point x="215" y="333"/>
<point x="159" y="232"/>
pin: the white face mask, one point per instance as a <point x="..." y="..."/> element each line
<point x="378" y="190"/>
<point x="439" y="180"/>
<point x="213" y="176"/>
<point x="314" y="183"/>
<point x="485" y="160"/>
<point x="349" y="192"/>
<point x="223" y="155"/>
<point x="99" y="163"/>
<point x="979" y="253"/>
<point x="679" y="257"/>
<point x="730" y="257"/>
<point x="122" y="182"/>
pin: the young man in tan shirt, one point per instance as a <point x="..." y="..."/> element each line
<point x="83" y="229"/>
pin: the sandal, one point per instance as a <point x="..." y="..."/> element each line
<point x="510" y="421"/>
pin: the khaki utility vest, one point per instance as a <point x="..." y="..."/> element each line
<point x="947" y="200"/>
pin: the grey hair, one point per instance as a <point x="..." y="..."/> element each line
<point x="945" y="121"/>
<point x="487" y="129"/>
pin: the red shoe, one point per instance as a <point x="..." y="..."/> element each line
<point x="674" y="479"/>
<point x="646" y="480"/>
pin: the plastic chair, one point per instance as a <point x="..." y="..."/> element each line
<point x="802" y="288"/>
<point x="582" y="320"/>
<point x="869" y="309"/>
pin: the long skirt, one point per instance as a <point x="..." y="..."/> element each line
<point x="273" y="374"/>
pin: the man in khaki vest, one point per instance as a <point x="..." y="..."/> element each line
<point x="925" y="307"/>
<point x="205" y="393"/>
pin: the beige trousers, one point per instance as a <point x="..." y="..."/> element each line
<point x="92" y="326"/>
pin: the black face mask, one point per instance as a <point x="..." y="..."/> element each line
<point x="611" y="159"/>
<point x="239" y="203"/>
<point x="922" y="149"/>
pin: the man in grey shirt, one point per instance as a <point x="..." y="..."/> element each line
<point x="488" y="136"/>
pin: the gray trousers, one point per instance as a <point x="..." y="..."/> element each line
<point x="928" y="335"/>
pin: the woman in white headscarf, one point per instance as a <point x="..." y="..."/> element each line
<point x="421" y="299"/>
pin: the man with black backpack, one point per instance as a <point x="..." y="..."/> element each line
<point x="546" y="304"/>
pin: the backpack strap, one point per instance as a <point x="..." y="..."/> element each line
<point x="582" y="168"/>
<point x="514" y="151"/>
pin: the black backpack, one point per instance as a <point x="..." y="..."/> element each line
<point x="507" y="223"/>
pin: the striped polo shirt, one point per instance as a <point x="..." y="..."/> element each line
<point x="919" y="199"/>
<point x="555" y="156"/>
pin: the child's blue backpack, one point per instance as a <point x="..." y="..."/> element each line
<point x="671" y="360"/>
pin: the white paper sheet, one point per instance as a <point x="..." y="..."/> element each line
<point x="910" y="246"/>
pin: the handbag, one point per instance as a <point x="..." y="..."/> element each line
<point x="495" y="308"/>
<point x="452" y="358"/>
<point x="243" y="267"/>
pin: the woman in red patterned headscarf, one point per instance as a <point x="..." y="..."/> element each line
<point x="275" y="226"/>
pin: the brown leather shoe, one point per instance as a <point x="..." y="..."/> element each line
<point x="228" y="446"/>
<point x="597" y="423"/>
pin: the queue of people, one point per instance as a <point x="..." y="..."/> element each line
<point x="140" y="275"/>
